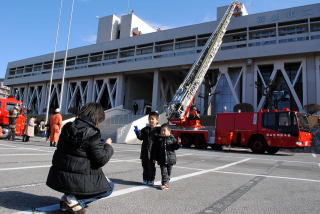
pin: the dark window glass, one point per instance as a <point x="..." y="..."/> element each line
<point x="269" y="121"/>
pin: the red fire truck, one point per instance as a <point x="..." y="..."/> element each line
<point x="6" y="105"/>
<point x="262" y="131"/>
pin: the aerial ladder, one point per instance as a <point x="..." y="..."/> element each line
<point x="179" y="107"/>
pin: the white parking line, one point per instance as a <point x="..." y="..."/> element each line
<point x="138" y="188"/>
<point x="24" y="148"/>
<point x="24" y="167"/>
<point x="268" y="176"/>
<point x="21" y="186"/>
<point x="23" y="154"/>
<point x="264" y="159"/>
<point x="1" y="144"/>
<point x="314" y="155"/>
<point x="128" y="150"/>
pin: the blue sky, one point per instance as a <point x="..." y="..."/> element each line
<point x="28" y="27"/>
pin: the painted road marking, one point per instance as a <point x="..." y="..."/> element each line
<point x="7" y="145"/>
<point x="138" y="188"/>
<point x="23" y="154"/>
<point x="314" y="155"/>
<point x="264" y="159"/>
<point x="21" y="186"/>
<point x="24" y="167"/>
<point x="24" y="148"/>
<point x="268" y="176"/>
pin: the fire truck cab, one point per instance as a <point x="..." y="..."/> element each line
<point x="6" y="105"/>
<point x="263" y="131"/>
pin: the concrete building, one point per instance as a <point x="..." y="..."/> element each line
<point x="4" y="90"/>
<point x="131" y="62"/>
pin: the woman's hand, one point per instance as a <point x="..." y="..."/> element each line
<point x="108" y="141"/>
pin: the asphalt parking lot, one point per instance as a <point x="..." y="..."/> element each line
<point x="203" y="181"/>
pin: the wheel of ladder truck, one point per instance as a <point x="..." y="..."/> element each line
<point x="186" y="140"/>
<point x="258" y="145"/>
<point x="216" y="147"/>
<point x="199" y="141"/>
<point x="272" y="150"/>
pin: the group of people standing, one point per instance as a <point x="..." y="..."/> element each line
<point x="51" y="130"/>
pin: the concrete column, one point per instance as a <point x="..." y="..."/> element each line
<point x="26" y="95"/>
<point x="120" y="90"/>
<point x="44" y="97"/>
<point x="248" y="84"/>
<point x="64" y="109"/>
<point x="156" y="91"/>
<point x="309" y="80"/>
<point x="318" y="79"/>
<point x="90" y="91"/>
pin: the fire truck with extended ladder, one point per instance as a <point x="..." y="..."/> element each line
<point x="237" y="129"/>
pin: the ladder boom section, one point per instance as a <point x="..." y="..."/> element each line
<point x="184" y="96"/>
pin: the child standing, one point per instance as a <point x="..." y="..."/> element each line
<point x="148" y="135"/>
<point x="166" y="156"/>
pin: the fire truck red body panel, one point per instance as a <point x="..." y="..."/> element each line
<point x="6" y="104"/>
<point x="239" y="129"/>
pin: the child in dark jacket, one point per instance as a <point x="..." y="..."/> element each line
<point x="148" y="135"/>
<point x="166" y="156"/>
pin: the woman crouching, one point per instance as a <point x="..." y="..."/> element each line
<point x="77" y="162"/>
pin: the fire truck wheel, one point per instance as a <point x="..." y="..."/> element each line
<point x="5" y="133"/>
<point x="272" y="150"/>
<point x="258" y="145"/>
<point x="199" y="142"/>
<point x="216" y="147"/>
<point x="186" y="140"/>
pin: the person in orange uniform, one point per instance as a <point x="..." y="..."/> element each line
<point x="55" y="127"/>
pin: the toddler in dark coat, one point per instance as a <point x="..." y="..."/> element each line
<point x="166" y="156"/>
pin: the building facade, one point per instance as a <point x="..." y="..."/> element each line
<point x="275" y="53"/>
<point x="4" y="90"/>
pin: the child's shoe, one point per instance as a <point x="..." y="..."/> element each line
<point x="151" y="183"/>
<point x="164" y="187"/>
<point x="145" y="182"/>
<point x="70" y="203"/>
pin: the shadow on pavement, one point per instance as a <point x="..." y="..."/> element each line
<point x="22" y="201"/>
<point x="123" y="182"/>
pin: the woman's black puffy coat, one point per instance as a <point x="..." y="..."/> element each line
<point x="76" y="164"/>
<point x="166" y="146"/>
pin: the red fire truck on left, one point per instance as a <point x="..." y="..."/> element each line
<point x="6" y="105"/>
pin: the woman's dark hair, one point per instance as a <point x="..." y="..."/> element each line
<point x="93" y="111"/>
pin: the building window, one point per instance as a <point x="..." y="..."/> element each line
<point x="110" y="56"/>
<point x="142" y="51"/>
<point x="143" y="58"/>
<point x="293" y="39"/>
<point x="19" y="70"/>
<point x="185" y="53"/>
<point x="126" y="52"/>
<point x="71" y="61"/>
<point x="164" y="46"/>
<point x="202" y="39"/>
<point x="12" y="71"/>
<point x="95" y="57"/>
<point x="82" y="60"/>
